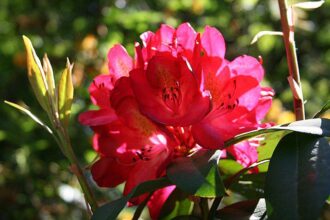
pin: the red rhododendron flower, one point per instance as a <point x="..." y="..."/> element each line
<point x="238" y="100"/>
<point x="176" y="95"/>
<point x="166" y="89"/>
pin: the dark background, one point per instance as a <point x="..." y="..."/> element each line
<point x="32" y="169"/>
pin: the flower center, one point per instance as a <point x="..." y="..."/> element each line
<point x="155" y="149"/>
<point x="172" y="97"/>
<point x="163" y="74"/>
<point x="184" y="139"/>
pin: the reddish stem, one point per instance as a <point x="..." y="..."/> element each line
<point x="291" y="55"/>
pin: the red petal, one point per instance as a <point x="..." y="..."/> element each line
<point x="108" y="173"/>
<point x="100" y="90"/>
<point x="121" y="91"/>
<point x="247" y="65"/>
<point x="245" y="152"/>
<point x="138" y="59"/>
<point x="146" y="37"/>
<point x="147" y="170"/>
<point x="186" y="36"/>
<point x="116" y="138"/>
<point x="119" y="62"/>
<point x="164" y="37"/>
<point x="131" y="116"/>
<point x="264" y="103"/>
<point x="148" y="45"/>
<point x="228" y="92"/>
<point x="97" y="117"/>
<point x="213" y="131"/>
<point x="162" y="71"/>
<point x="213" y="42"/>
<point x="207" y="135"/>
<point x="193" y="105"/>
<point x="157" y="201"/>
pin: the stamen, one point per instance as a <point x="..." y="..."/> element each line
<point x="146" y="153"/>
<point x="172" y="97"/>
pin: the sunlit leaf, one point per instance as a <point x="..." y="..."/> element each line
<point x="309" y="5"/>
<point x="267" y="147"/>
<point x="298" y="179"/>
<point x="48" y="70"/>
<point x="36" y="75"/>
<point x="30" y="114"/>
<point x="265" y="33"/>
<point x="317" y="126"/>
<point x="324" y="108"/>
<point x="65" y="94"/>
<point x="229" y="167"/>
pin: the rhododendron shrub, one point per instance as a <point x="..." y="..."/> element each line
<point x="182" y="128"/>
<point x="177" y="95"/>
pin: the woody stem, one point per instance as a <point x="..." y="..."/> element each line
<point x="291" y="55"/>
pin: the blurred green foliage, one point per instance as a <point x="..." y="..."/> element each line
<point x="32" y="168"/>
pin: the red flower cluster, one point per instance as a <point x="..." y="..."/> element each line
<point x="177" y="95"/>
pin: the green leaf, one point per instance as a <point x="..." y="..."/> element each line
<point x="112" y="209"/>
<point x="317" y="126"/>
<point x="324" y="108"/>
<point x="65" y="94"/>
<point x="298" y="179"/>
<point x="267" y="147"/>
<point x="32" y="116"/>
<point x="229" y="167"/>
<point x="36" y="75"/>
<point x="198" y="175"/>
<point x="177" y="204"/>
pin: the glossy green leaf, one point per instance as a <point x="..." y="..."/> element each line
<point x="298" y="179"/>
<point x="198" y="175"/>
<point x="317" y="126"/>
<point x="112" y="209"/>
<point x="324" y="108"/>
<point x="36" y="75"/>
<point x="65" y="94"/>
<point x="229" y="167"/>
<point x="267" y="147"/>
